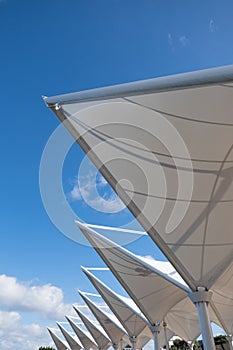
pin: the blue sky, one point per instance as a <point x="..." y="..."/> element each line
<point x="53" y="47"/>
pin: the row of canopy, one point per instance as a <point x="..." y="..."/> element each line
<point x="170" y="138"/>
<point x="158" y="292"/>
<point x="127" y="326"/>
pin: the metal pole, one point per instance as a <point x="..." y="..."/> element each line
<point x="201" y="299"/>
<point x="165" y="334"/>
<point x="115" y="346"/>
<point x="229" y="338"/>
<point x="155" y="329"/>
<point x="156" y="340"/>
<point x="133" y="340"/>
<point x="121" y="344"/>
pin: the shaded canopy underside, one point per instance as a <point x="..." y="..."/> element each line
<point x="85" y="339"/>
<point x="60" y="345"/>
<point x="166" y="148"/>
<point x="157" y="297"/>
<point x="115" y="332"/>
<point x="222" y="299"/>
<point x="101" y="340"/>
<point x="74" y="345"/>
<point x="153" y="294"/>
<point x="128" y="315"/>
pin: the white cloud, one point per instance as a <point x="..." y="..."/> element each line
<point x="212" y="26"/>
<point x="111" y="205"/>
<point x="87" y="188"/>
<point x="175" y="41"/>
<point x="20" y="301"/>
<point x="8" y="319"/>
<point x="75" y="194"/>
<point x="101" y="181"/>
<point x="18" y="336"/>
<point x="170" y="41"/>
<point x="46" y="299"/>
<point x="184" y="41"/>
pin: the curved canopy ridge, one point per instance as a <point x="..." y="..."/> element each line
<point x="145" y="335"/>
<point x="100" y="338"/>
<point x="165" y="146"/>
<point x="60" y="345"/>
<point x="222" y="299"/>
<point x="73" y="343"/>
<point x="85" y="339"/>
<point x="155" y="287"/>
<point x="114" y="331"/>
<point x="183" y="320"/>
<point x="154" y="292"/>
<point x="127" y="313"/>
<point x="165" y="335"/>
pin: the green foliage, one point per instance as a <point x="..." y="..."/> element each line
<point x="220" y="339"/>
<point x="179" y="344"/>
<point x="195" y="345"/>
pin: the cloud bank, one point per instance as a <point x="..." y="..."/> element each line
<point x="94" y="190"/>
<point x="46" y="299"/>
<point x="20" y="301"/>
<point x="18" y="336"/>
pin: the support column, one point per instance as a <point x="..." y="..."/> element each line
<point x="155" y="329"/>
<point x="229" y="338"/>
<point x="115" y="346"/>
<point x="201" y="299"/>
<point x="133" y="341"/>
<point x="190" y="344"/>
<point x="165" y="334"/>
<point x="121" y="344"/>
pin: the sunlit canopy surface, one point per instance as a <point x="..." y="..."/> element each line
<point x="100" y="338"/>
<point x="118" y="303"/>
<point x="127" y="313"/>
<point x="85" y="339"/>
<point x="165" y="146"/>
<point x="60" y="345"/>
<point x="73" y="343"/>
<point x="152" y="292"/>
<point x="151" y="284"/>
<point x="114" y="331"/>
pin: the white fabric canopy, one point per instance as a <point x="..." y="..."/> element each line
<point x="222" y="299"/>
<point x="73" y="343"/>
<point x="100" y="338"/>
<point x="154" y="291"/>
<point x="165" y="146"/>
<point x="114" y="331"/>
<point x="128" y="314"/>
<point x="60" y="345"/>
<point x="85" y="339"/>
<point x="128" y="268"/>
<point x="145" y="335"/>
